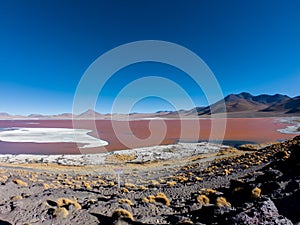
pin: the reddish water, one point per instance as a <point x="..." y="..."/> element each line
<point x="239" y="129"/>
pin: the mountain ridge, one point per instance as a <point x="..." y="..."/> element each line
<point x="243" y="104"/>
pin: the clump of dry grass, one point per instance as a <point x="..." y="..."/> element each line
<point x="3" y="178"/>
<point x="20" y="182"/>
<point x="111" y="183"/>
<point x="100" y="181"/>
<point x="146" y="200"/>
<point x="122" y="213"/>
<point x="125" y="190"/>
<point x="65" y="202"/>
<point x="130" y="185"/>
<point x="226" y="172"/>
<point x="222" y="202"/>
<point x="207" y="191"/>
<point x="16" y="198"/>
<point x="255" y="193"/>
<point x="171" y="183"/>
<point x="61" y="212"/>
<point x="180" y="178"/>
<point x="186" y="221"/>
<point x="126" y="201"/>
<point x="46" y="186"/>
<point x="86" y="185"/>
<point x="202" y="199"/>
<point x="154" y="183"/>
<point x="142" y="188"/>
<point x="160" y="197"/>
<point x="198" y="179"/>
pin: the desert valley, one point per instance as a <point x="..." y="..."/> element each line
<point x="50" y="177"/>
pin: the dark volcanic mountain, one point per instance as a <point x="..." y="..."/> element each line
<point x="237" y="105"/>
<point x="247" y="105"/>
<point x="288" y="106"/>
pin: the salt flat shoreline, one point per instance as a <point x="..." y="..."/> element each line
<point x="137" y="155"/>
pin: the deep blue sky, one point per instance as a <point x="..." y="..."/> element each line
<point x="46" y="46"/>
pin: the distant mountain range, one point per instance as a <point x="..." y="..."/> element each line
<point x="247" y="105"/>
<point x="237" y="105"/>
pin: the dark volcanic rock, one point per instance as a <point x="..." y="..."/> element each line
<point x="263" y="213"/>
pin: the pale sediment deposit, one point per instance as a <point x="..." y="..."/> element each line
<point x="51" y="135"/>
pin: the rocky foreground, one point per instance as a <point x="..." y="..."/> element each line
<point x="226" y="187"/>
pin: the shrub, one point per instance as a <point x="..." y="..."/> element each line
<point x="203" y="199"/>
<point x="222" y="202"/>
<point x="122" y="213"/>
<point x="198" y="178"/>
<point x="111" y="184"/>
<point x="207" y="191"/>
<point x="162" y="198"/>
<point x="154" y="183"/>
<point x="100" y="181"/>
<point x="171" y="183"/>
<point x="129" y="185"/>
<point x="142" y="188"/>
<point x="46" y="186"/>
<point x="64" y="202"/>
<point x="61" y="212"/>
<point x="126" y="201"/>
<point x="255" y="193"/>
<point x="125" y="190"/>
<point x="87" y="185"/>
<point x="146" y="200"/>
<point x="151" y="198"/>
<point x="20" y="182"/>
<point x="16" y="198"/>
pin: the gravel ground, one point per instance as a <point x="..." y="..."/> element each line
<point x="220" y="187"/>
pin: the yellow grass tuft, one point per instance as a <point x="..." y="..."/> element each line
<point x="198" y="178"/>
<point x="129" y="185"/>
<point x="16" y="198"/>
<point x="255" y="193"/>
<point x="125" y="190"/>
<point x="226" y="172"/>
<point x="65" y="202"/>
<point x="122" y="213"/>
<point x="146" y="200"/>
<point x="222" y="202"/>
<point x="87" y="185"/>
<point x="101" y="181"/>
<point x="142" y="188"/>
<point x="171" y="183"/>
<point x="203" y="199"/>
<point x="161" y="197"/>
<point x="46" y="186"/>
<point x="61" y="212"/>
<point x="154" y="183"/>
<point x="151" y="198"/>
<point x="126" y="201"/>
<point x="20" y="182"/>
<point x="207" y="191"/>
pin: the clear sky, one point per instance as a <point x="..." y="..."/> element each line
<point x="46" y="46"/>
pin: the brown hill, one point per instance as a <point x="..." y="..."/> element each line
<point x="247" y="105"/>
